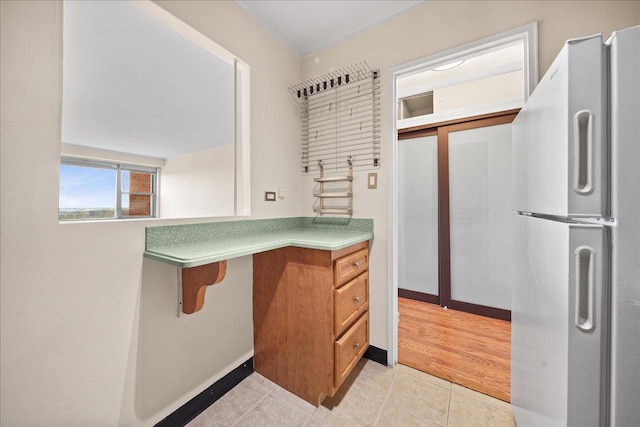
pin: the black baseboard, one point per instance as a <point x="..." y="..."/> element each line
<point x="202" y="401"/>
<point x="376" y="354"/>
<point x="419" y="296"/>
<point x="482" y="310"/>
<point x="496" y="313"/>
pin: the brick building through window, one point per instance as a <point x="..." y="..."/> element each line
<point x="140" y="204"/>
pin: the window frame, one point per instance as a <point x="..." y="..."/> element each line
<point x="119" y="167"/>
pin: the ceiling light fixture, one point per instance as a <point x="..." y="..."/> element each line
<point x="448" y="66"/>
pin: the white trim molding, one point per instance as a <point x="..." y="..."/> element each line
<point x="528" y="35"/>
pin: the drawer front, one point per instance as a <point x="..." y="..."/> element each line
<point x="350" y="301"/>
<point x="350" y="348"/>
<point x="350" y="266"/>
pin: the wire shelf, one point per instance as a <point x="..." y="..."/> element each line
<point x="340" y="114"/>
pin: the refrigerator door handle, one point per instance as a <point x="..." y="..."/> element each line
<point x="583" y="152"/>
<point x="585" y="278"/>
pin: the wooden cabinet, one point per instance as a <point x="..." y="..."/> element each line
<point x="350" y="348"/>
<point x="350" y="266"/>
<point x="350" y="301"/>
<point x="310" y="317"/>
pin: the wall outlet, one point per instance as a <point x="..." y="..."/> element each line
<point x="281" y="193"/>
<point x="270" y="196"/>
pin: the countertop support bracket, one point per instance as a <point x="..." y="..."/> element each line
<point x="194" y="282"/>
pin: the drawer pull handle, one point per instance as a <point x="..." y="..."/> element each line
<point x="356" y="264"/>
<point x="356" y="344"/>
<point x="356" y="299"/>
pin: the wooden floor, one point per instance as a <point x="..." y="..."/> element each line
<point x="467" y="349"/>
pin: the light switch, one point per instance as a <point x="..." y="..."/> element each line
<point x="270" y="196"/>
<point x="372" y="181"/>
<point x="281" y="193"/>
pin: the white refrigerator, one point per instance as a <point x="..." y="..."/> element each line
<point x="576" y="225"/>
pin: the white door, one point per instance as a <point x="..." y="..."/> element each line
<point x="559" y="144"/>
<point x="480" y="215"/>
<point x="625" y="204"/>
<point x="418" y="215"/>
<point x="559" y="323"/>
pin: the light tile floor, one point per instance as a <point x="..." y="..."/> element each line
<point x="373" y="395"/>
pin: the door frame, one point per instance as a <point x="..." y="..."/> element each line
<point x="529" y="35"/>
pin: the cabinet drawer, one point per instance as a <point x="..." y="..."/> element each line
<point x="350" y="301"/>
<point x="350" y="348"/>
<point x="350" y="266"/>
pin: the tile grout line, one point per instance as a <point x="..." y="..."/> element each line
<point x="235" y="423"/>
<point x="470" y="396"/>
<point x="418" y="418"/>
<point x="473" y="397"/>
<point x="292" y="406"/>
<point x="398" y="373"/>
<point x="386" y="398"/>
<point x="211" y="421"/>
<point x="449" y="406"/>
<point x="270" y="392"/>
<point x="306" y="422"/>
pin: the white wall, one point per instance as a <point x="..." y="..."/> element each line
<point x="89" y="332"/>
<point x="198" y="184"/>
<point x="427" y="30"/>
<point x="477" y="93"/>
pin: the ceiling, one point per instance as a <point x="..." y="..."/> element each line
<point x="306" y="26"/>
<point x="505" y="57"/>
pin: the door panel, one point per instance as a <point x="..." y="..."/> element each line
<point x="418" y="214"/>
<point x="474" y="239"/>
<point x="625" y="316"/>
<point x="559" y="149"/>
<point x="557" y="359"/>
<point x="480" y="216"/>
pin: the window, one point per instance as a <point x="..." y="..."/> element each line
<point x="102" y="190"/>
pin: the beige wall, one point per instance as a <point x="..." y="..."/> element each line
<point x="89" y="331"/>
<point x="477" y="93"/>
<point x="198" y="184"/>
<point x="430" y="29"/>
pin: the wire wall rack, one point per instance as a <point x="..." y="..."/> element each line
<point x="340" y="114"/>
<point x="332" y="198"/>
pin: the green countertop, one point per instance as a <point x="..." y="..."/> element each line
<point x="198" y="244"/>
